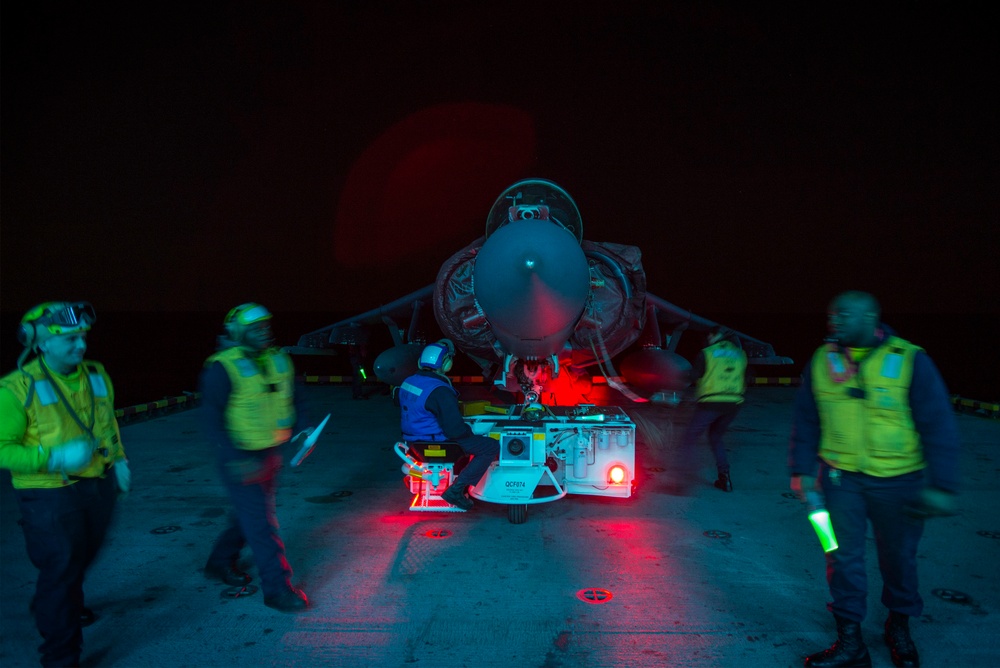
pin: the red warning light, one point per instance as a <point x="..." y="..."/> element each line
<point x="616" y="475"/>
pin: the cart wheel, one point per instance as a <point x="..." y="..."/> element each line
<point x="517" y="513"/>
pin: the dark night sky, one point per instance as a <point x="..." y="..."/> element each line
<point x="330" y="155"/>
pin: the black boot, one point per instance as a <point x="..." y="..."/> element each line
<point x="897" y="637"/>
<point x="725" y="483"/>
<point x="455" y="495"/>
<point x="848" y="651"/>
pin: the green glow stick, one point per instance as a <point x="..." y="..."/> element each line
<point x="820" y="520"/>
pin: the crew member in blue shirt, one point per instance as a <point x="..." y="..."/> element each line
<point x="430" y="412"/>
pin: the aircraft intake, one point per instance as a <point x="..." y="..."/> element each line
<point x="394" y="365"/>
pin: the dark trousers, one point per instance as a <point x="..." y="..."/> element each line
<point x="716" y="418"/>
<point x="64" y="528"/>
<point x="854" y="500"/>
<point x="484" y="451"/>
<point x="251" y="481"/>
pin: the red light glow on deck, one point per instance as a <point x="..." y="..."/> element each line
<point x="594" y="595"/>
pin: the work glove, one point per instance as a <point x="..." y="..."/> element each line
<point x="123" y="474"/>
<point x="71" y="456"/>
<point x="305" y="433"/>
<point x="933" y="502"/>
<point x="802" y="484"/>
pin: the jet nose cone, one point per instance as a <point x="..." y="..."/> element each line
<point x="531" y="279"/>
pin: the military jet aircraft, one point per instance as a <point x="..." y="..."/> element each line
<point x="539" y="309"/>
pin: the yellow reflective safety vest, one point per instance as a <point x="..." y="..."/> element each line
<point x="50" y="423"/>
<point x="865" y="418"/>
<point x="260" y="413"/>
<point x="725" y="373"/>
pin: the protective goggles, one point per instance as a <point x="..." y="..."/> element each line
<point x="67" y="317"/>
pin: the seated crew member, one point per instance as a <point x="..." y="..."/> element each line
<point x="430" y="412"/>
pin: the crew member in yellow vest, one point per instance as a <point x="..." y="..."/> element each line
<point x="248" y="398"/>
<point x="875" y="433"/>
<point x="719" y="373"/>
<point x="60" y="440"/>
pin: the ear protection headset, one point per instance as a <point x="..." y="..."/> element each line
<point x="239" y="318"/>
<point x="437" y="356"/>
<point x="57" y="318"/>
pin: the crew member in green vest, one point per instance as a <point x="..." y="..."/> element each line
<point x="59" y="438"/>
<point x="248" y="398"/>
<point x="875" y="432"/>
<point x="719" y="372"/>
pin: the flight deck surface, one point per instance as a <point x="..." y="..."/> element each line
<point x="709" y="579"/>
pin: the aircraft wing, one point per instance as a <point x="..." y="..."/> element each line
<point x="357" y="329"/>
<point x="679" y="319"/>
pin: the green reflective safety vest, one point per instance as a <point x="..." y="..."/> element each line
<point x="725" y="373"/>
<point x="260" y="413"/>
<point x="50" y="422"/>
<point x="865" y="420"/>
